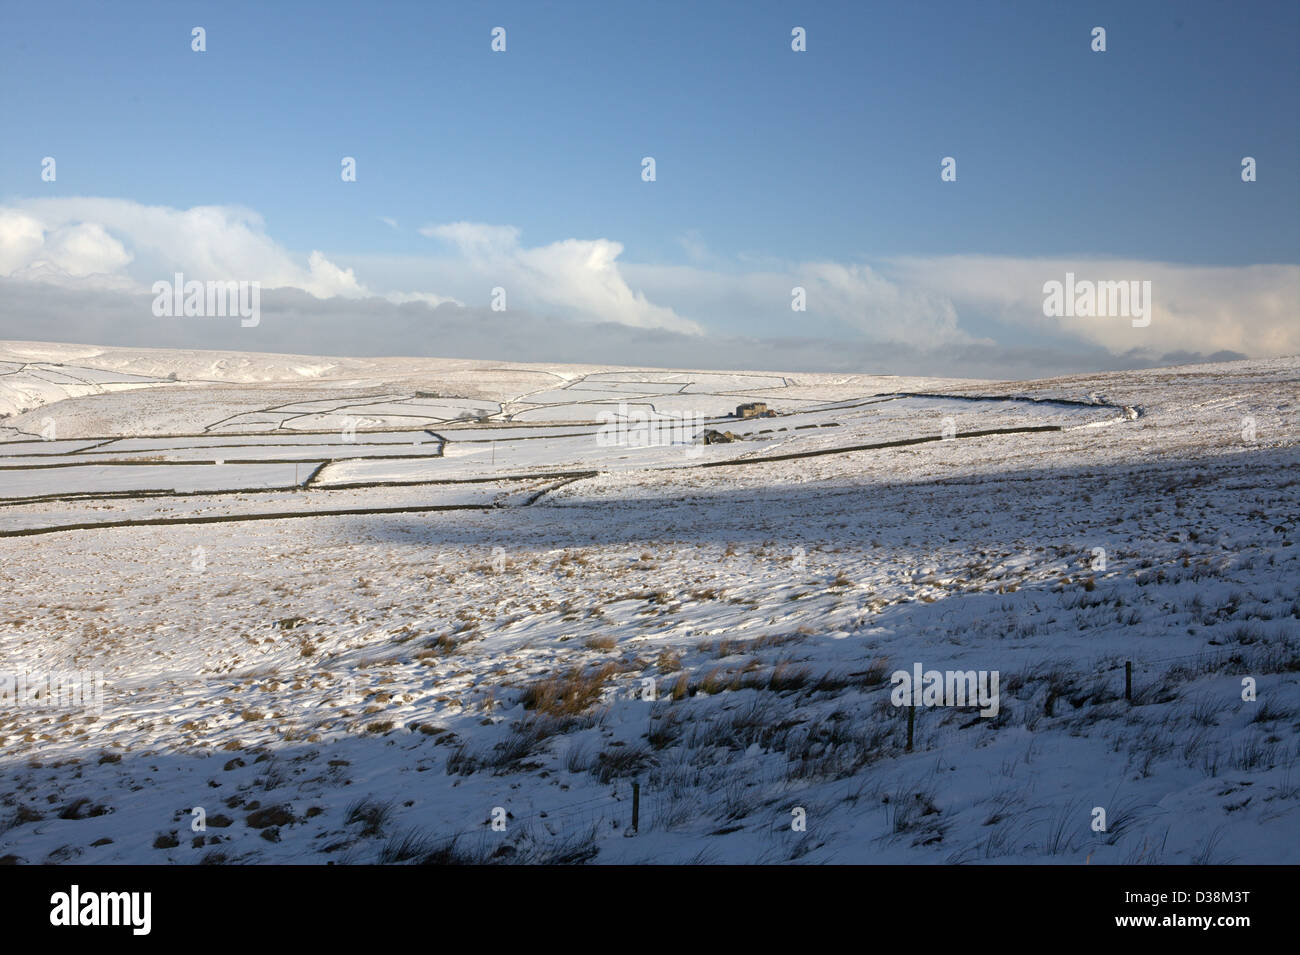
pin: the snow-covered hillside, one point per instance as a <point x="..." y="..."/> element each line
<point x="418" y="610"/>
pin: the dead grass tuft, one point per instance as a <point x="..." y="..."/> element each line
<point x="570" y="693"/>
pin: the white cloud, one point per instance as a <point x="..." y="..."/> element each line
<point x="861" y="297"/>
<point x="86" y="249"/>
<point x="852" y="296"/>
<point x="1250" y="309"/>
<point x="328" y="279"/>
<point x="910" y="302"/>
<point x="428" y="298"/>
<point x="581" y="276"/>
<point x="21" y="240"/>
<point x="80" y="236"/>
<point x="478" y="238"/>
<point x="119" y="241"/>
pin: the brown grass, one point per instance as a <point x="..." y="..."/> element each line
<point x="668" y="661"/>
<point x="682" y="687"/>
<point x="570" y="693"/>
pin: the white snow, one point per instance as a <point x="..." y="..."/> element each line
<point x="383" y="674"/>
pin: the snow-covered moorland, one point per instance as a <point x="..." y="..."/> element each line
<point x="408" y="610"/>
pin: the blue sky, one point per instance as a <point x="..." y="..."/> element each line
<point x="766" y="158"/>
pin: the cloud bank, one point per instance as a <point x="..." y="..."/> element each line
<point x="119" y="241"/>
<point x="74" y="269"/>
<point x="579" y="276"/>
<point x="295" y="322"/>
<point x="1251" y="309"/>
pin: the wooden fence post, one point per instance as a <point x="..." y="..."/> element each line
<point x="911" y="719"/>
<point x="1128" y="680"/>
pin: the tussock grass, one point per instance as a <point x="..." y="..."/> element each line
<point x="729" y="646"/>
<point x="461" y="762"/>
<point x="370" y="814"/>
<point x="576" y="760"/>
<point x="681" y="687"/>
<point x="1269" y="711"/>
<point x="575" y="850"/>
<point x="524" y="741"/>
<point x="835" y="748"/>
<point x="668" y="661"/>
<point x="405" y="847"/>
<point x="908" y="810"/>
<point x="442" y="645"/>
<point x="1254" y="753"/>
<point x="665" y="727"/>
<point x="570" y="693"/>
<point x="620" y="761"/>
<point x="785" y="677"/>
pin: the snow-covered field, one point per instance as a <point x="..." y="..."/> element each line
<point x="361" y="610"/>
